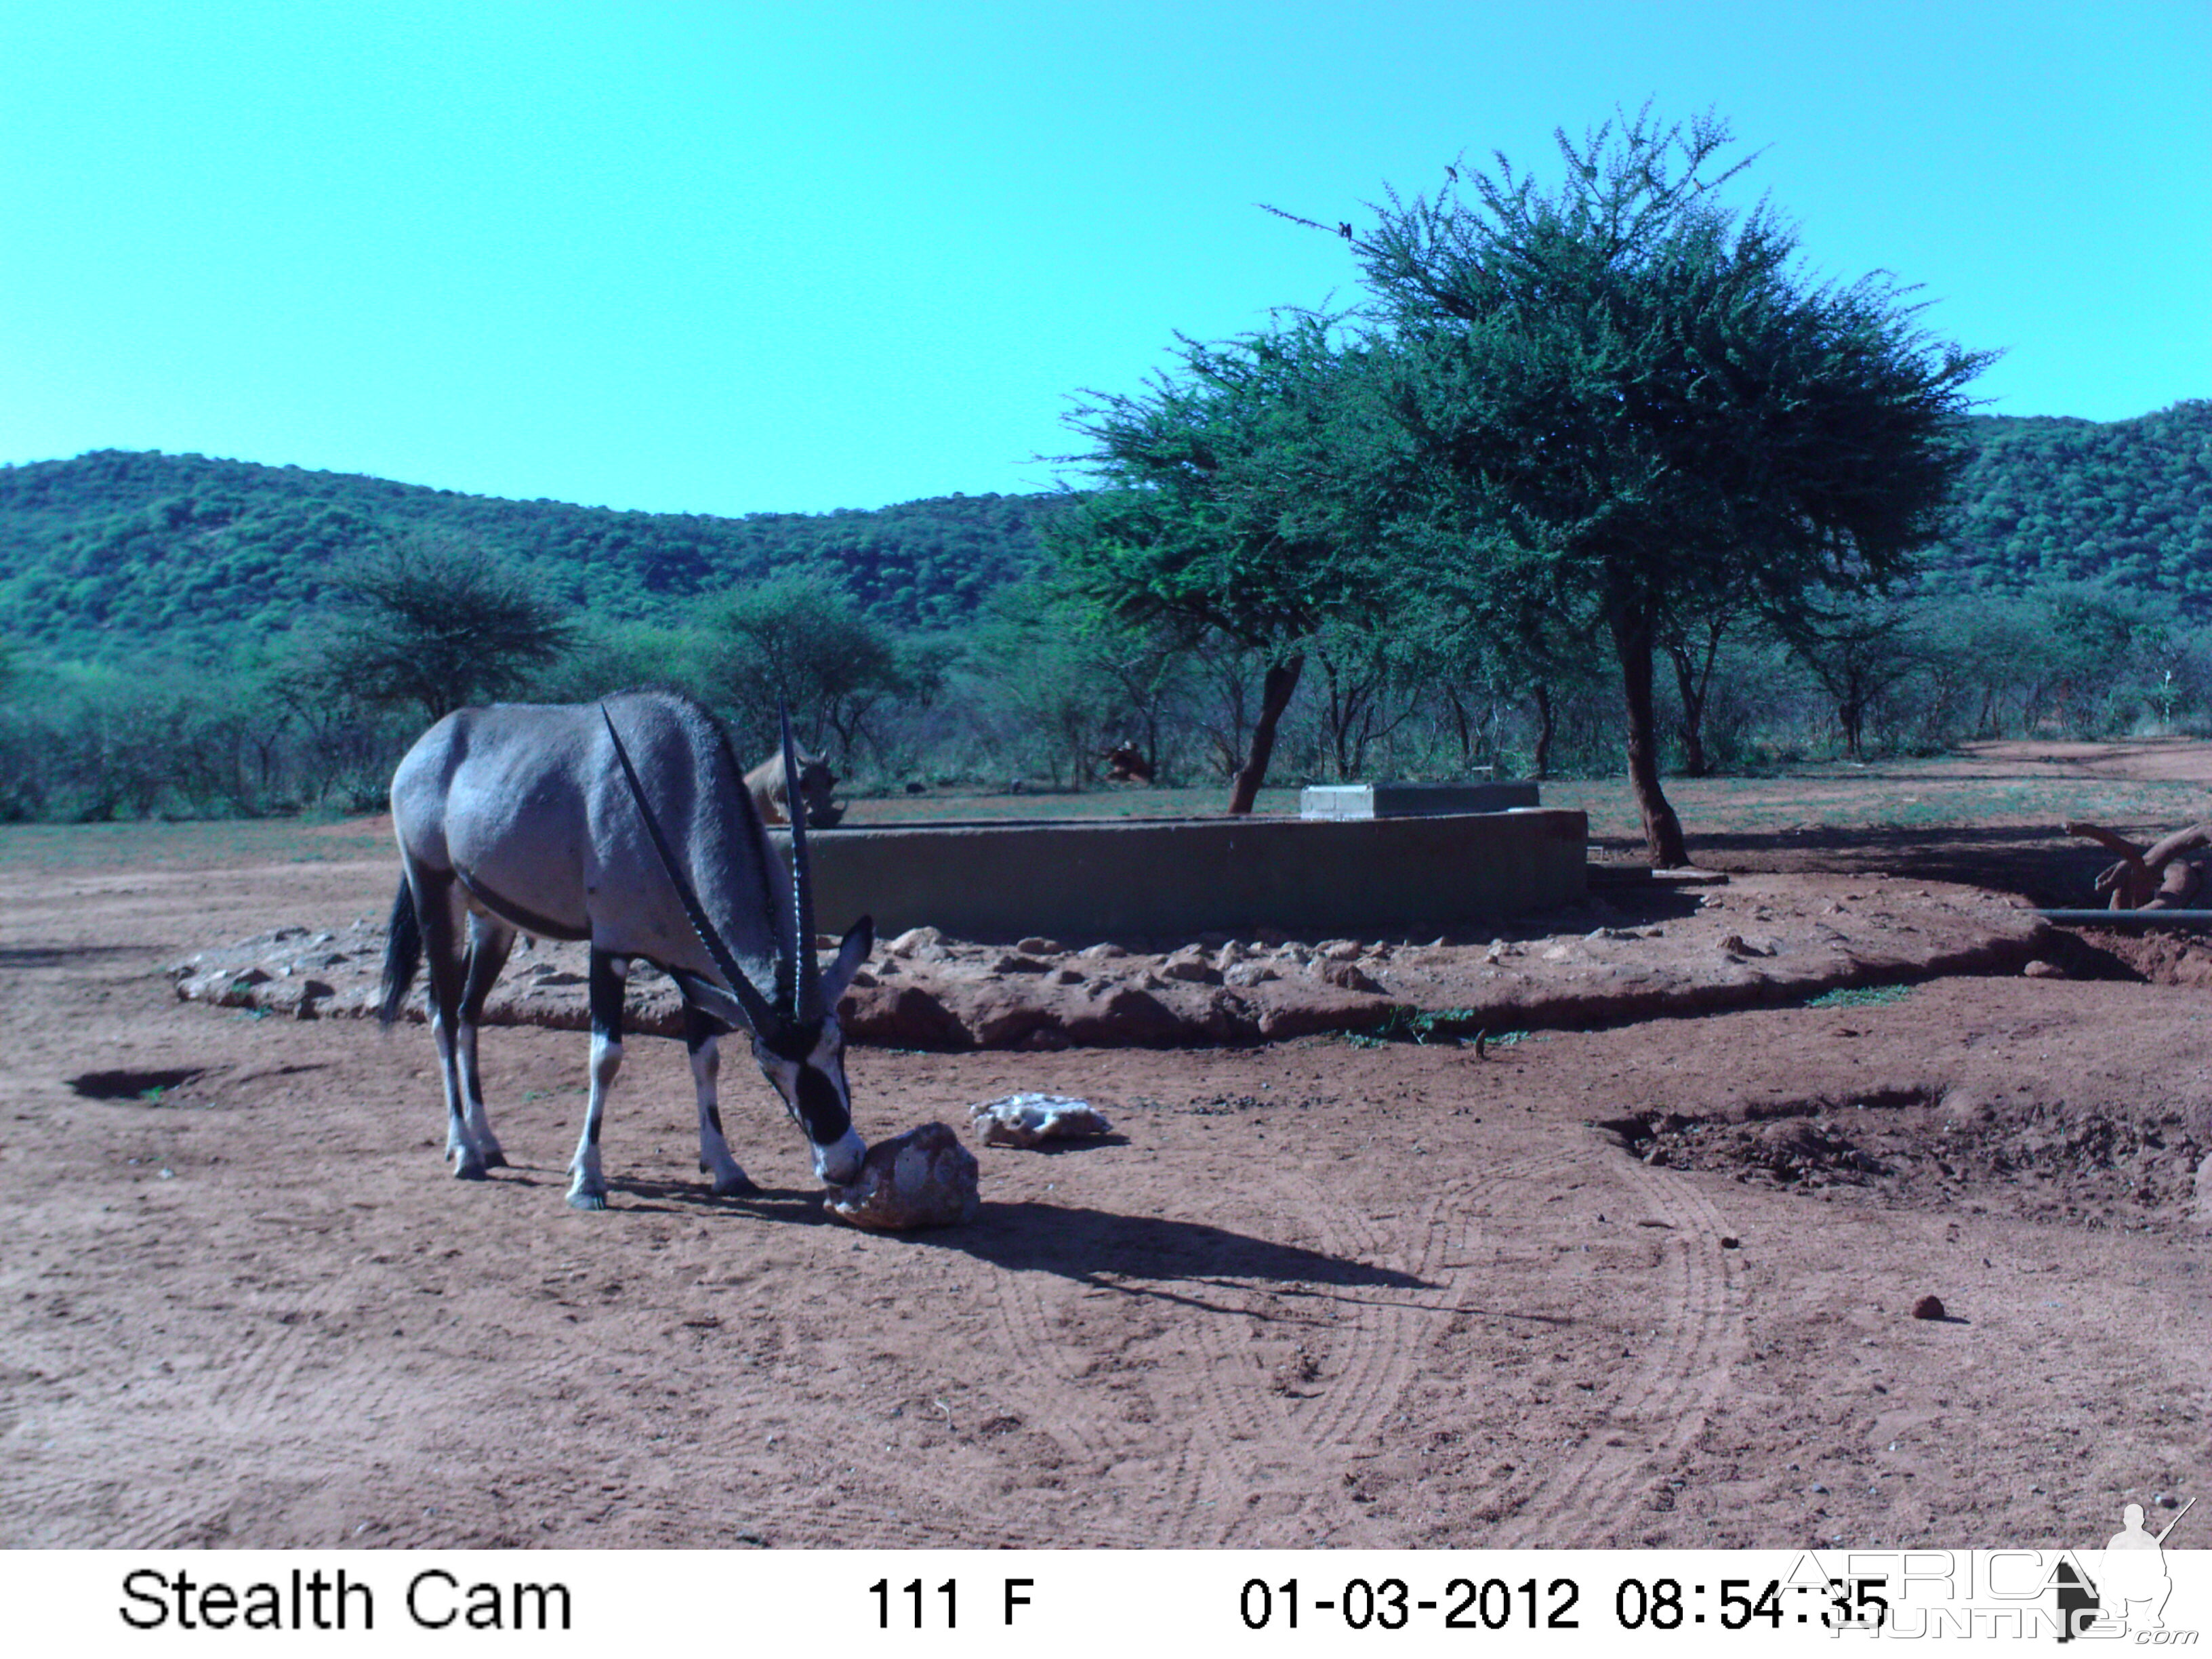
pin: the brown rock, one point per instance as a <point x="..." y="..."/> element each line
<point x="901" y="1016"/>
<point x="923" y="944"/>
<point x="1349" y="976"/>
<point x="1190" y="964"/>
<point x="923" y="1178"/>
<point x="2036" y="967"/>
<point x="1929" y="1307"/>
<point x="1122" y="1014"/>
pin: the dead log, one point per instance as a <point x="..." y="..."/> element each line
<point x="2153" y="877"/>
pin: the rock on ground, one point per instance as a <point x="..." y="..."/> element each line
<point x="1030" y="1120"/>
<point x="923" y="1178"/>
<point x="1637" y="953"/>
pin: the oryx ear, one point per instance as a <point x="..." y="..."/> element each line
<point x="719" y="1005"/>
<point x="850" y="955"/>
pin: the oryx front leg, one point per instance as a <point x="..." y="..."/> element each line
<point x="588" y="1188"/>
<point x="699" y="1037"/>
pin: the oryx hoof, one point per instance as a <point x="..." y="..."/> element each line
<point x="736" y="1184"/>
<point x="495" y="1159"/>
<point x="469" y="1166"/>
<point x="588" y="1200"/>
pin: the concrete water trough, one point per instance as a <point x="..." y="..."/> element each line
<point x="1312" y="878"/>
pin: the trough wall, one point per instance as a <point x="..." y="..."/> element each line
<point x="1311" y="879"/>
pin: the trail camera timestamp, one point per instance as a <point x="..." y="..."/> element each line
<point x="1537" y="1603"/>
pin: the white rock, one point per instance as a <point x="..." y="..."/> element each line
<point x="912" y="940"/>
<point x="1026" y="1120"/>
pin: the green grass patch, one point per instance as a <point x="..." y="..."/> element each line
<point x="1860" y="996"/>
<point x="1453" y="1026"/>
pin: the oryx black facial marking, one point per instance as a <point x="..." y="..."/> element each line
<point x="626" y="824"/>
<point x="820" y="1108"/>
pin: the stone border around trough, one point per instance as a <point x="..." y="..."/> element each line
<point x="1643" y="953"/>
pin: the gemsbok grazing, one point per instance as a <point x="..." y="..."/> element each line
<point x="625" y="823"/>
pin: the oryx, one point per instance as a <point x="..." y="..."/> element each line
<point x="625" y="823"/>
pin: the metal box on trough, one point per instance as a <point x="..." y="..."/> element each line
<point x="1411" y="800"/>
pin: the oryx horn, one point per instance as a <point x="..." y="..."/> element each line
<point x="808" y="1003"/>
<point x="763" y="1018"/>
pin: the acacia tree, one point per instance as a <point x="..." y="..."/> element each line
<point x="1859" y="649"/>
<point x="439" y="625"/>
<point x="800" y="639"/>
<point x="1692" y="646"/>
<point x="1242" y="500"/>
<point x="1631" y="407"/>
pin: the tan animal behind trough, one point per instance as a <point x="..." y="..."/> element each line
<point x="816" y="782"/>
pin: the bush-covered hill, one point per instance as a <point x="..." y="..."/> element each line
<point x="116" y="555"/>
<point x="2047" y="499"/>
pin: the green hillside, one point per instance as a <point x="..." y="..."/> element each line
<point x="2047" y="499"/>
<point x="114" y="555"/>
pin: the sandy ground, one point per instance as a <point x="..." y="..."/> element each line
<point x="1648" y="1284"/>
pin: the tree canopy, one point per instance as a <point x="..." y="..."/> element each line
<point x="438" y="625"/>
<point x="1629" y="407"/>
<point x="798" y="641"/>
<point x="1244" y="495"/>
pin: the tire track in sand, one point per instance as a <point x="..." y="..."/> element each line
<point x="1665" y="1400"/>
<point x="1279" y="1460"/>
<point x="1069" y="1405"/>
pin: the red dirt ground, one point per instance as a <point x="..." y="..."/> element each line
<point x="1643" y="1285"/>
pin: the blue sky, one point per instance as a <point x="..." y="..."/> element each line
<point x="731" y="259"/>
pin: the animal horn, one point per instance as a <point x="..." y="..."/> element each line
<point x="757" y="1012"/>
<point x="807" y="1004"/>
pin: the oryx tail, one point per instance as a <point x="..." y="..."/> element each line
<point x="402" y="955"/>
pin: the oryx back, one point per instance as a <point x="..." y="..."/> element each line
<point x="524" y="805"/>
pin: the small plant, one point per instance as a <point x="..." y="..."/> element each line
<point x="1427" y="1025"/>
<point x="1862" y="996"/>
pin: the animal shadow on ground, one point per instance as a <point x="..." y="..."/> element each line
<point x="1091" y="1247"/>
<point x="142" y="1086"/>
<point x="55" y="955"/>
<point x="1099" y="1248"/>
<point x="643" y="1196"/>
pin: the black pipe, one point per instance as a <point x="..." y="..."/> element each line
<point x="2137" y="921"/>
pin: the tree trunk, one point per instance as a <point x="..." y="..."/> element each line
<point x="1695" y="681"/>
<point x="1544" y="722"/>
<point x="1662" y="830"/>
<point x="1465" y="732"/>
<point x="1850" y="714"/>
<point x="1274" y="696"/>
